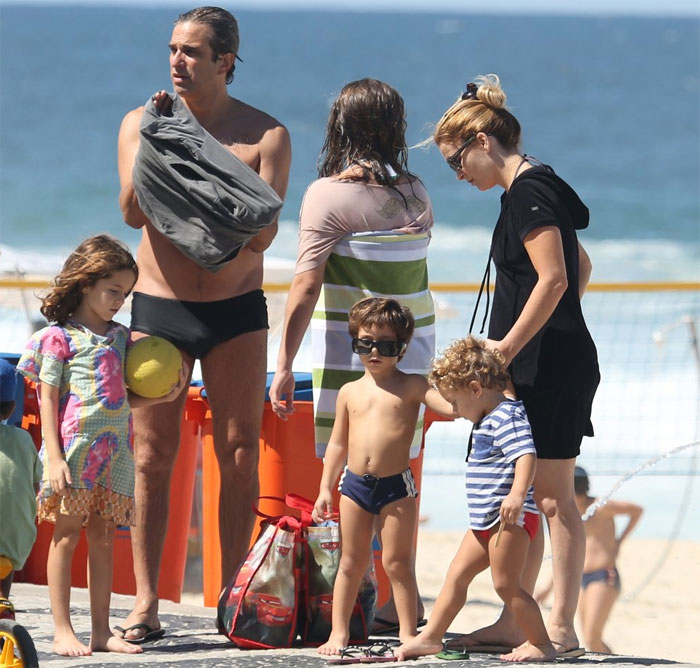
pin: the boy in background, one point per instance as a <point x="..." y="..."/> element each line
<point x="20" y="473"/>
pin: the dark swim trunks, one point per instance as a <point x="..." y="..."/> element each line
<point x="372" y="493"/>
<point x="196" y="327"/>
<point x="609" y="576"/>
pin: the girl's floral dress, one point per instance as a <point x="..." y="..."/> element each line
<point x="94" y="419"/>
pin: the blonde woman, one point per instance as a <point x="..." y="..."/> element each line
<point x="538" y="326"/>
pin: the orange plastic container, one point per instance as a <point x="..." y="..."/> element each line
<point x="283" y="466"/>
<point x="181" y="492"/>
<point x="287" y="463"/>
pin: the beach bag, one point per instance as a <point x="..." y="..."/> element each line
<point x="284" y="588"/>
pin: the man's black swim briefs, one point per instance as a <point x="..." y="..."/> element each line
<point x="196" y="327"/>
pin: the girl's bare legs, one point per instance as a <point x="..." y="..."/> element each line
<point x="471" y="558"/>
<point x="356" y="532"/>
<point x="397" y="525"/>
<point x="66" y="534"/>
<point x="507" y="563"/>
<point x="100" y="535"/>
<point x="595" y="605"/>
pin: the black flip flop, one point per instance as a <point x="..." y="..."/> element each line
<point x="150" y="635"/>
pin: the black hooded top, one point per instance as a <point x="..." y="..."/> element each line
<point x="563" y="350"/>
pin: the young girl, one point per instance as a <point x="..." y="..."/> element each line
<point x="503" y="517"/>
<point x="78" y="365"/>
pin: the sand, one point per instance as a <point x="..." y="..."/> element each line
<point x="661" y="621"/>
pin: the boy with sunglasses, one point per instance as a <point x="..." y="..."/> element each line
<point x="370" y="443"/>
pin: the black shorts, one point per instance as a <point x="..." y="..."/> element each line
<point x="196" y="327"/>
<point x="559" y="418"/>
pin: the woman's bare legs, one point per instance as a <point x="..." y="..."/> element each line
<point x="554" y="494"/>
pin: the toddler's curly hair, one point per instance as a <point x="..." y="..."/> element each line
<point x="466" y="360"/>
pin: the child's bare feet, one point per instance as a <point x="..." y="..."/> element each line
<point x="111" y="643"/>
<point x="335" y="643"/>
<point x="407" y="637"/>
<point x="419" y="646"/>
<point x="529" y="652"/>
<point x="67" y="644"/>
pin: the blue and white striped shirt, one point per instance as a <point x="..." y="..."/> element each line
<point x="498" y="440"/>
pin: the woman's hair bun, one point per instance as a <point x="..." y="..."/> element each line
<point x="490" y="91"/>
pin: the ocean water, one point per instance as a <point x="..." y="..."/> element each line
<point x="612" y="103"/>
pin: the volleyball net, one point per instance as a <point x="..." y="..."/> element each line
<point x="648" y="401"/>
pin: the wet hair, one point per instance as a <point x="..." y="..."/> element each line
<point x="223" y="32"/>
<point x="97" y="257"/>
<point x="381" y="312"/>
<point x="486" y="113"/>
<point x="467" y="360"/>
<point x="581" y="485"/>
<point x="366" y="128"/>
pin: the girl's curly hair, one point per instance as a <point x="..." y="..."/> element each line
<point x="95" y="258"/>
<point x="466" y="360"/>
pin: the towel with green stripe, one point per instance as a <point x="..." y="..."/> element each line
<point x="372" y="264"/>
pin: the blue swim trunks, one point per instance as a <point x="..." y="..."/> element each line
<point x="609" y="576"/>
<point x="372" y="493"/>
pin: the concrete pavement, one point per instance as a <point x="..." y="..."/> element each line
<point x="192" y="640"/>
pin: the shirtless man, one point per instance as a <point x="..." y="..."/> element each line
<point x="220" y="318"/>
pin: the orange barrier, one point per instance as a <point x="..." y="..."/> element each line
<point x="172" y="569"/>
<point x="287" y="463"/>
<point x="282" y="467"/>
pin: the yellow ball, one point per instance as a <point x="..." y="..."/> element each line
<point x="152" y="366"/>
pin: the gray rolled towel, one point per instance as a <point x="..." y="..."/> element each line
<point x="198" y="194"/>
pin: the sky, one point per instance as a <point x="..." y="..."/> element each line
<point x="596" y="7"/>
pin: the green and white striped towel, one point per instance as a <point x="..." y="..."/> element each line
<point x="373" y="264"/>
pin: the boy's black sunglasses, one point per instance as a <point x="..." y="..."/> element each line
<point x="384" y="348"/>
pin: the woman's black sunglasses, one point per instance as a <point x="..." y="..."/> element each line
<point x="455" y="160"/>
<point x="384" y="348"/>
